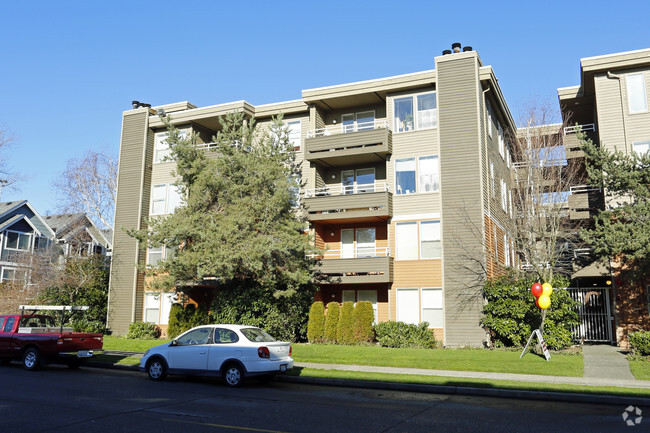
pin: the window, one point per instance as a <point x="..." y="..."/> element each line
<point x="361" y="121"/>
<point x="404" y="114"/>
<point x="432" y="307"/>
<point x="430" y="239"/>
<point x="406" y="238"/>
<point x="641" y="147"/>
<point x="161" y="146"/>
<point x="425" y="117"/>
<point x="9" y="324"/>
<point x="17" y="240"/>
<point x="165" y="198"/>
<point x="405" y="176"/>
<point x="157" y="307"/>
<point x="506" y="250"/>
<point x="489" y="117"/>
<point x="504" y="195"/>
<point x="502" y="142"/>
<point x="41" y="243"/>
<point x="365" y="243"/>
<point x="348" y="296"/>
<point x="13" y="275"/>
<point x="492" y="184"/>
<point x="408" y="306"/>
<point x="636" y="95"/>
<point x="427" y="179"/>
<point x="428" y="174"/>
<point x="294" y="134"/>
<point x="195" y="336"/>
<point x="358" y="181"/>
<point x="427" y="114"/>
<point x="156" y="254"/>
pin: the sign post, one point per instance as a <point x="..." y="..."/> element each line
<point x="540" y="338"/>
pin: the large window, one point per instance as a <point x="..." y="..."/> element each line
<point x="294" y="134"/>
<point x="432" y="305"/>
<point x="161" y="146"/>
<point x="420" y="305"/>
<point x="157" y="254"/>
<point x="418" y="240"/>
<point x="157" y="307"/>
<point x="417" y="175"/>
<point x="361" y="121"/>
<point x="365" y="245"/>
<point x="408" y="306"/>
<point x="13" y="275"/>
<point x="358" y="181"/>
<point x="165" y="198"/>
<point x="424" y="116"/>
<point x="636" y="94"/>
<point x="17" y="240"/>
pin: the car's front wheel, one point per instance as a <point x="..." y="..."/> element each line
<point x="233" y="375"/>
<point x="156" y="369"/>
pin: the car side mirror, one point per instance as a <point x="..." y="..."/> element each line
<point x="174" y="343"/>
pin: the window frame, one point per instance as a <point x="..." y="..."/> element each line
<point x="440" y="308"/>
<point x="167" y="202"/>
<point x="641" y="143"/>
<point x="417" y="173"/>
<point x="415" y="122"/>
<point x="630" y="90"/>
<point x="421" y="238"/>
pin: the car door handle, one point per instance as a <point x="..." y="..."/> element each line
<point x="202" y="353"/>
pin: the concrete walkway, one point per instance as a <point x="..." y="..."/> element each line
<point x="606" y="361"/>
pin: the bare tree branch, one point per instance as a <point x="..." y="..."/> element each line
<point x="89" y="185"/>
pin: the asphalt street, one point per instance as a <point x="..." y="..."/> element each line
<point x="57" y="399"/>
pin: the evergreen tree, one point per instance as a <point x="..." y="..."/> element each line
<point x="622" y="230"/>
<point x="238" y="227"/>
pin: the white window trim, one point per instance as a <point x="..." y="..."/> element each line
<point x="299" y="123"/>
<point x="645" y="93"/>
<point x="489" y="117"/>
<point x="418" y="187"/>
<point x="168" y="191"/>
<point x="641" y="143"/>
<point x="6" y="239"/>
<point x="439" y="240"/>
<point x="414" y="102"/>
<point x="441" y="308"/>
<point x="418" y="239"/>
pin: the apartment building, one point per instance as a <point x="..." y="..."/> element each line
<point x="610" y="105"/>
<point x="407" y="179"/>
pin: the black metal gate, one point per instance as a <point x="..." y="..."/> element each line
<point x="594" y="312"/>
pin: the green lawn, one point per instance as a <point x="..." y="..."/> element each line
<point x="128" y="345"/>
<point x="640" y="369"/>
<point x="442" y="359"/>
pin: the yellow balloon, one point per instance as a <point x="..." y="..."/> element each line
<point x="547" y="289"/>
<point x="544" y="302"/>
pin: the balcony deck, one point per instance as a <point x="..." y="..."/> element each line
<point x="360" y="203"/>
<point x="376" y="267"/>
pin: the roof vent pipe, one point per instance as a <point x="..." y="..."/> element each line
<point x="466" y="49"/>
<point x="456" y="47"/>
<point x="446" y="52"/>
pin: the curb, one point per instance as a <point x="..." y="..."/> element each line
<point x="439" y="389"/>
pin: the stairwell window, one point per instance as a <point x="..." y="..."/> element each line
<point x="636" y="93"/>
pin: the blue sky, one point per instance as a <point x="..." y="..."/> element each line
<point x="70" y="68"/>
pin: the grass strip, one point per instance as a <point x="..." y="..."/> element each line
<point x="495" y="361"/>
<point x="470" y="382"/>
<point x="130" y="345"/>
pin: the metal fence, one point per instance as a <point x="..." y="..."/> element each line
<point x="594" y="311"/>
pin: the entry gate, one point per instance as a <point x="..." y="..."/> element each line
<point x="594" y="313"/>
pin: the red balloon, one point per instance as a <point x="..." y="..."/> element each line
<point x="536" y="289"/>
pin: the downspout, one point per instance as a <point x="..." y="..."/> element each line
<point x="488" y="338"/>
<point x="611" y="274"/>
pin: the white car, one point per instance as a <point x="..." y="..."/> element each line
<point x="231" y="351"/>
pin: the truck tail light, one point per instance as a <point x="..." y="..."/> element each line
<point x="59" y="341"/>
<point x="263" y="352"/>
<point x="290" y="350"/>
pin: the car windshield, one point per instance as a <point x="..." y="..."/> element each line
<point x="257" y="335"/>
<point x="37" y="322"/>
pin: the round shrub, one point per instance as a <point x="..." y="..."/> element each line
<point x="404" y="335"/>
<point x="363" y="318"/>
<point x="345" y="328"/>
<point x="143" y="331"/>
<point x="332" y="321"/>
<point x="639" y="342"/>
<point x="316" y="323"/>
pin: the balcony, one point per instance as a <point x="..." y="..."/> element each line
<point x="585" y="201"/>
<point x="571" y="143"/>
<point x="363" y="265"/>
<point x="369" y="202"/>
<point x="340" y="145"/>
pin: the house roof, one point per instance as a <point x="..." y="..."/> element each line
<point x="67" y="226"/>
<point x="9" y="209"/>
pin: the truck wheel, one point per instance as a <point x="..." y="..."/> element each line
<point x="233" y="375"/>
<point x="32" y="359"/>
<point x="156" y="369"/>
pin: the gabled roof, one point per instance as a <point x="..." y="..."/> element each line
<point x="16" y="218"/>
<point x="68" y="226"/>
<point x="39" y="224"/>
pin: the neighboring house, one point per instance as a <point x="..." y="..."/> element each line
<point x="76" y="234"/>
<point x="404" y="177"/>
<point x="611" y="106"/>
<point x="24" y="232"/>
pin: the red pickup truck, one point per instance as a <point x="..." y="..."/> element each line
<point x="35" y="338"/>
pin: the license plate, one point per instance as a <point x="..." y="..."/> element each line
<point x="283" y="368"/>
<point x="84" y="354"/>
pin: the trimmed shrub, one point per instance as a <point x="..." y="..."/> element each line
<point x="332" y="321"/>
<point x="345" y="328"/>
<point x="316" y="323"/>
<point x="639" y="342"/>
<point x="363" y="318"/>
<point x="143" y="331"/>
<point x="176" y="319"/>
<point x="511" y="314"/>
<point x="404" y="335"/>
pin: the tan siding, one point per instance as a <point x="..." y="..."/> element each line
<point x="609" y="105"/>
<point x="125" y="285"/>
<point x="461" y="186"/>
